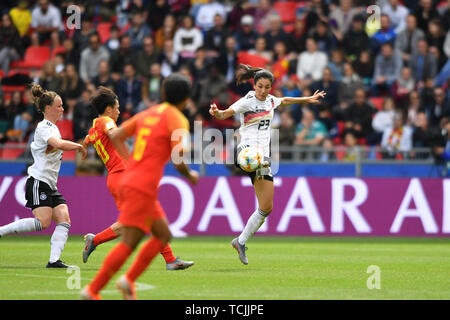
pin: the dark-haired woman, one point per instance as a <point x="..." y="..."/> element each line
<point x="256" y="109"/>
<point x="41" y="193"/>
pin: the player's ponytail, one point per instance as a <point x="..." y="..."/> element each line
<point x="248" y="72"/>
<point x="42" y="98"/>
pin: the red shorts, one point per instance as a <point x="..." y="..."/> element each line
<point x="112" y="182"/>
<point x="139" y="209"/>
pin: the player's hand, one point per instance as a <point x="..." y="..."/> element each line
<point x="316" y="96"/>
<point x="83" y="151"/>
<point x="193" y="177"/>
<point x="214" y="111"/>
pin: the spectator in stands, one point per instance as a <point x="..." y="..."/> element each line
<point x="446" y="17"/>
<point x="298" y="37"/>
<point x="425" y="12"/>
<point x="205" y="15"/>
<point x="397" y="14"/>
<point x="336" y="64"/>
<point x="138" y="30"/>
<point x="129" y="91"/>
<point x="286" y="133"/>
<point x="355" y="39"/>
<point x="49" y="80"/>
<point x="440" y="108"/>
<point x="388" y="66"/>
<point x="83" y="115"/>
<point x="91" y="57"/>
<point x="330" y="86"/>
<point x="103" y="78"/>
<point x="422" y="134"/>
<point x="151" y="87"/>
<point x="406" y="41"/>
<point x="358" y="115"/>
<point x="281" y="61"/>
<point x="19" y="124"/>
<point x="382" y="120"/>
<point x="157" y="13"/>
<point x="82" y="37"/>
<point x="246" y="36"/>
<point x="261" y="49"/>
<point x="113" y="43"/>
<point x="72" y="86"/>
<point x="311" y="63"/>
<point x="261" y="14"/>
<point x="275" y="32"/>
<point x="215" y="37"/>
<point x="145" y="58"/>
<point x="10" y="43"/>
<point x="328" y="154"/>
<point x="227" y="60"/>
<point x="348" y="85"/>
<point x="350" y="143"/>
<point x="423" y="64"/>
<point x="187" y="38"/>
<point x="21" y="18"/>
<point x="199" y="66"/>
<point x="71" y="54"/>
<point x="166" y="32"/>
<point x="4" y="120"/>
<point x="364" y="67"/>
<point x="435" y="39"/>
<point x="169" y="59"/>
<point x="121" y="57"/>
<point x="385" y="35"/>
<point x="342" y="16"/>
<point x="413" y="107"/>
<point x="397" y="139"/>
<point x="310" y="132"/>
<point x="103" y="10"/>
<point x="402" y="87"/>
<point x="214" y="86"/>
<point x="325" y="39"/>
<point x="45" y="19"/>
<point x="291" y="88"/>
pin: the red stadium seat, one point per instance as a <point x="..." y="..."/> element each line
<point x="66" y="129"/>
<point x="35" y="57"/>
<point x="103" y="30"/>
<point x="12" y="150"/>
<point x="57" y="50"/>
<point x="251" y="59"/>
<point x="377" y="102"/>
<point x="286" y="10"/>
<point x="2" y="74"/>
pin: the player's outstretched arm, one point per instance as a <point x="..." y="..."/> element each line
<point x="118" y="137"/>
<point x="286" y="101"/>
<point x="66" y="145"/>
<point x="220" y="114"/>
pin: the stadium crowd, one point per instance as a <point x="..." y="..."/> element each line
<point x="387" y="80"/>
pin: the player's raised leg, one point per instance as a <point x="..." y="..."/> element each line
<point x="93" y="240"/>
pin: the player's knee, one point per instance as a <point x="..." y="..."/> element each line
<point x="45" y="223"/>
<point x="267" y="208"/>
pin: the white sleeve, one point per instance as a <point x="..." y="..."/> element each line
<point x="277" y="101"/>
<point x="241" y="106"/>
<point x="44" y="133"/>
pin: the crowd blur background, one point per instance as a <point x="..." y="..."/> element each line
<point x="385" y="69"/>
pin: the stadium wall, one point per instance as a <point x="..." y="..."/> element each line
<point x="302" y="206"/>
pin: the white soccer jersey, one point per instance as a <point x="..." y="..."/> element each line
<point x="256" y="119"/>
<point x="47" y="159"/>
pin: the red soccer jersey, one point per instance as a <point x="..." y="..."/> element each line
<point x="154" y="143"/>
<point x="104" y="147"/>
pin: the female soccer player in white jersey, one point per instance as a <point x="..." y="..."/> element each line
<point x="42" y="196"/>
<point x="256" y="110"/>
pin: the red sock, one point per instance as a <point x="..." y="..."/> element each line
<point x="167" y="253"/>
<point x="113" y="261"/>
<point x="104" y="236"/>
<point x="148" y="251"/>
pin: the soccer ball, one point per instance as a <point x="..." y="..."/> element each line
<point x="250" y="159"/>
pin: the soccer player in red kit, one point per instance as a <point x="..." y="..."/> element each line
<point x="106" y="103"/>
<point x="161" y="132"/>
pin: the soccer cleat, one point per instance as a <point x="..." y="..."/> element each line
<point x="127" y="288"/>
<point x="240" y="249"/>
<point x="89" y="246"/>
<point x="179" y="264"/>
<point x="57" y="264"/>
<point x="86" y="294"/>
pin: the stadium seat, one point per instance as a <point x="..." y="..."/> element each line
<point x="35" y="57"/>
<point x="66" y="129"/>
<point x="377" y="102"/>
<point x="57" y="50"/>
<point x="12" y="150"/>
<point x="103" y="30"/>
<point x="2" y="74"/>
<point x="251" y="59"/>
<point x="286" y="10"/>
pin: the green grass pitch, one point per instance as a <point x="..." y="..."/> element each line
<point x="279" y="268"/>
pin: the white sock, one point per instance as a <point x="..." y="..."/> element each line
<point x="22" y="225"/>
<point x="253" y="224"/>
<point x="58" y="241"/>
